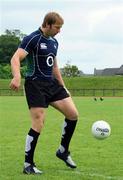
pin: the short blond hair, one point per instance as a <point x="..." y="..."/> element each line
<point x="51" y="18"/>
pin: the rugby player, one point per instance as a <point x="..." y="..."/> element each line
<point x="44" y="86"/>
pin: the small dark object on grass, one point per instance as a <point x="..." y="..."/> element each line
<point x="101" y="99"/>
<point x="95" y="99"/>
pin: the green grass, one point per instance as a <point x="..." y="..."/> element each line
<point x="94" y="82"/>
<point x="84" y="82"/>
<point x="96" y="159"/>
<point x="79" y="86"/>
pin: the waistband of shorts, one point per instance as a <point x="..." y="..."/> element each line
<point x="40" y="79"/>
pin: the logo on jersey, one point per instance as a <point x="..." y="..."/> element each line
<point x="50" y="61"/>
<point x="43" y="46"/>
<point x="55" y="46"/>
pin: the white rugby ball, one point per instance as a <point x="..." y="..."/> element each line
<point x="101" y="129"/>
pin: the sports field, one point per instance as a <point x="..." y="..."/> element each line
<point x="96" y="159"/>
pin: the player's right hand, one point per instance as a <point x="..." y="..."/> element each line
<point x="15" y="84"/>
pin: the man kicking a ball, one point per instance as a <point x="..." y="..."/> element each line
<point x="44" y="86"/>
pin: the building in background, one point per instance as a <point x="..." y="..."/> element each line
<point x="108" y="71"/>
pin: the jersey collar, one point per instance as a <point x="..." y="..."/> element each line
<point x="43" y="34"/>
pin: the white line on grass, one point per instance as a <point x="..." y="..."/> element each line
<point x="92" y="174"/>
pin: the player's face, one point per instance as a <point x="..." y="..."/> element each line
<point x="54" y="29"/>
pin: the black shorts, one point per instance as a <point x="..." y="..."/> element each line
<point x="42" y="93"/>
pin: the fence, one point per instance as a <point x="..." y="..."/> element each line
<point x="74" y="92"/>
<point x="96" y="92"/>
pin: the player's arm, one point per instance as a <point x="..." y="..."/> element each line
<point x="57" y="74"/>
<point x="18" y="56"/>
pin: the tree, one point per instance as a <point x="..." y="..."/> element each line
<point x="8" y="44"/>
<point x="5" y="71"/>
<point x="70" y="70"/>
<point x="15" y="32"/>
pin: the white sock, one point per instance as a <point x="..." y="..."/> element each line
<point x="26" y="164"/>
<point x="62" y="149"/>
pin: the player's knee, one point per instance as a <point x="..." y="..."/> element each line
<point x="38" y="120"/>
<point x="37" y="124"/>
<point x="74" y="115"/>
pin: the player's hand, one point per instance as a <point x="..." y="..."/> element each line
<point x="15" y="83"/>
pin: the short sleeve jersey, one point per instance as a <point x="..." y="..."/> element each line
<point x="41" y="53"/>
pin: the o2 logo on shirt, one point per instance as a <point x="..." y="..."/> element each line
<point x="50" y="61"/>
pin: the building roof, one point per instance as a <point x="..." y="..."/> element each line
<point x="120" y="71"/>
<point x="109" y="71"/>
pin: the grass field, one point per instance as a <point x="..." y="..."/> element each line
<point x="83" y="82"/>
<point x="96" y="159"/>
<point x="79" y="86"/>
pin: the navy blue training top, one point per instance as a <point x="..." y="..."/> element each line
<point x="41" y="53"/>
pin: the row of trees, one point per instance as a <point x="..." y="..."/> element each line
<point x="8" y="45"/>
<point x="71" y="70"/>
<point x="9" y="42"/>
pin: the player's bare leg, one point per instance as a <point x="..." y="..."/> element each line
<point x="67" y="107"/>
<point x="37" y="116"/>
